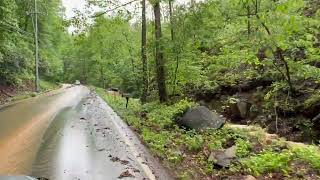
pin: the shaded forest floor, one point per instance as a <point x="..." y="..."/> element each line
<point x="248" y="153"/>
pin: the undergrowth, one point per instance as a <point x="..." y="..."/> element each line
<point x="187" y="151"/>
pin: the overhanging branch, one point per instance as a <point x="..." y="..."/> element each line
<point x="115" y="8"/>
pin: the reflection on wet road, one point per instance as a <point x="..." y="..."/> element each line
<point x="71" y="134"/>
<point x="66" y="152"/>
<point x="23" y="125"/>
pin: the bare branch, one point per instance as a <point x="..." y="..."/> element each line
<point x="115" y="8"/>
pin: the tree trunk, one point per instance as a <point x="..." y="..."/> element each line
<point x="174" y="47"/>
<point x="248" y="19"/>
<point x="102" y="76"/>
<point x="279" y="55"/>
<point x="171" y="20"/>
<point x="144" y="54"/>
<point x="159" y="55"/>
<point x="84" y="71"/>
<point x="193" y="3"/>
<point x="26" y="22"/>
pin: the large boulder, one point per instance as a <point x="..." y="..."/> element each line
<point x="200" y="118"/>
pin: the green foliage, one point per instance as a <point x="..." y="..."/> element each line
<point x="107" y="55"/>
<point x="212" y="45"/>
<point x="194" y="142"/>
<point x="243" y="147"/>
<point x="312" y="100"/>
<point x="216" y="144"/>
<point x="46" y="85"/>
<point x="16" y="41"/>
<point x="163" y="116"/>
<point x="268" y="161"/>
<point x="310" y="155"/>
<point x="186" y="149"/>
<point x="174" y="157"/>
<point x="216" y="139"/>
<point x="156" y="140"/>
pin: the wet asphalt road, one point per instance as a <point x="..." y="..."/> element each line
<point x="71" y="134"/>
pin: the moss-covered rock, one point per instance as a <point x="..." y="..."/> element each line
<point x="312" y="105"/>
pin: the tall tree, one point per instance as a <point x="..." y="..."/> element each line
<point x="160" y="69"/>
<point x="173" y="39"/>
<point x="144" y="53"/>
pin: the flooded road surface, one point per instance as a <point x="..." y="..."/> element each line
<point x="71" y="134"/>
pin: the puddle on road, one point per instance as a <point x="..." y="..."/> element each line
<point x="23" y="125"/>
<point x="65" y="153"/>
<point x="69" y="150"/>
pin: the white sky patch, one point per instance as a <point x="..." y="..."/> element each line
<point x="71" y="5"/>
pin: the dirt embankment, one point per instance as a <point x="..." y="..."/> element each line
<point x="294" y="116"/>
<point x="9" y="92"/>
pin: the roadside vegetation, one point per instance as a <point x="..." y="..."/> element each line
<point x="189" y="153"/>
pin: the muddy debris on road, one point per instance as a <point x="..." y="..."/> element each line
<point x="126" y="174"/>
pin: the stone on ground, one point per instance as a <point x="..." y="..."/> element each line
<point x="200" y="118"/>
<point x="224" y="158"/>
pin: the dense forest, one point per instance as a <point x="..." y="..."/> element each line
<point x="17" y="43"/>
<point x="253" y="61"/>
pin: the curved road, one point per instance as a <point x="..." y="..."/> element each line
<point x="71" y="133"/>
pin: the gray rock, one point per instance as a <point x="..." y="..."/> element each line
<point x="225" y="158"/>
<point x="244" y="108"/>
<point x="238" y="108"/>
<point x="231" y="152"/>
<point x="233" y="110"/>
<point x="316" y="119"/>
<point x="200" y="118"/>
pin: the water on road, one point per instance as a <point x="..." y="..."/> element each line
<point x="71" y="134"/>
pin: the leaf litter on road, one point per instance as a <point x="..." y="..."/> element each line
<point x="126" y="174"/>
<point x="116" y="159"/>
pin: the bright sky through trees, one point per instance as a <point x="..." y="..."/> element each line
<point x="70" y="5"/>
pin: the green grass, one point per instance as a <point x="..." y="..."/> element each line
<point x="244" y="147"/>
<point x="268" y="162"/>
<point x="310" y="155"/>
<point x="188" y="150"/>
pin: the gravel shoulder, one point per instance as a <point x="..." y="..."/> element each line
<point x="114" y="137"/>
